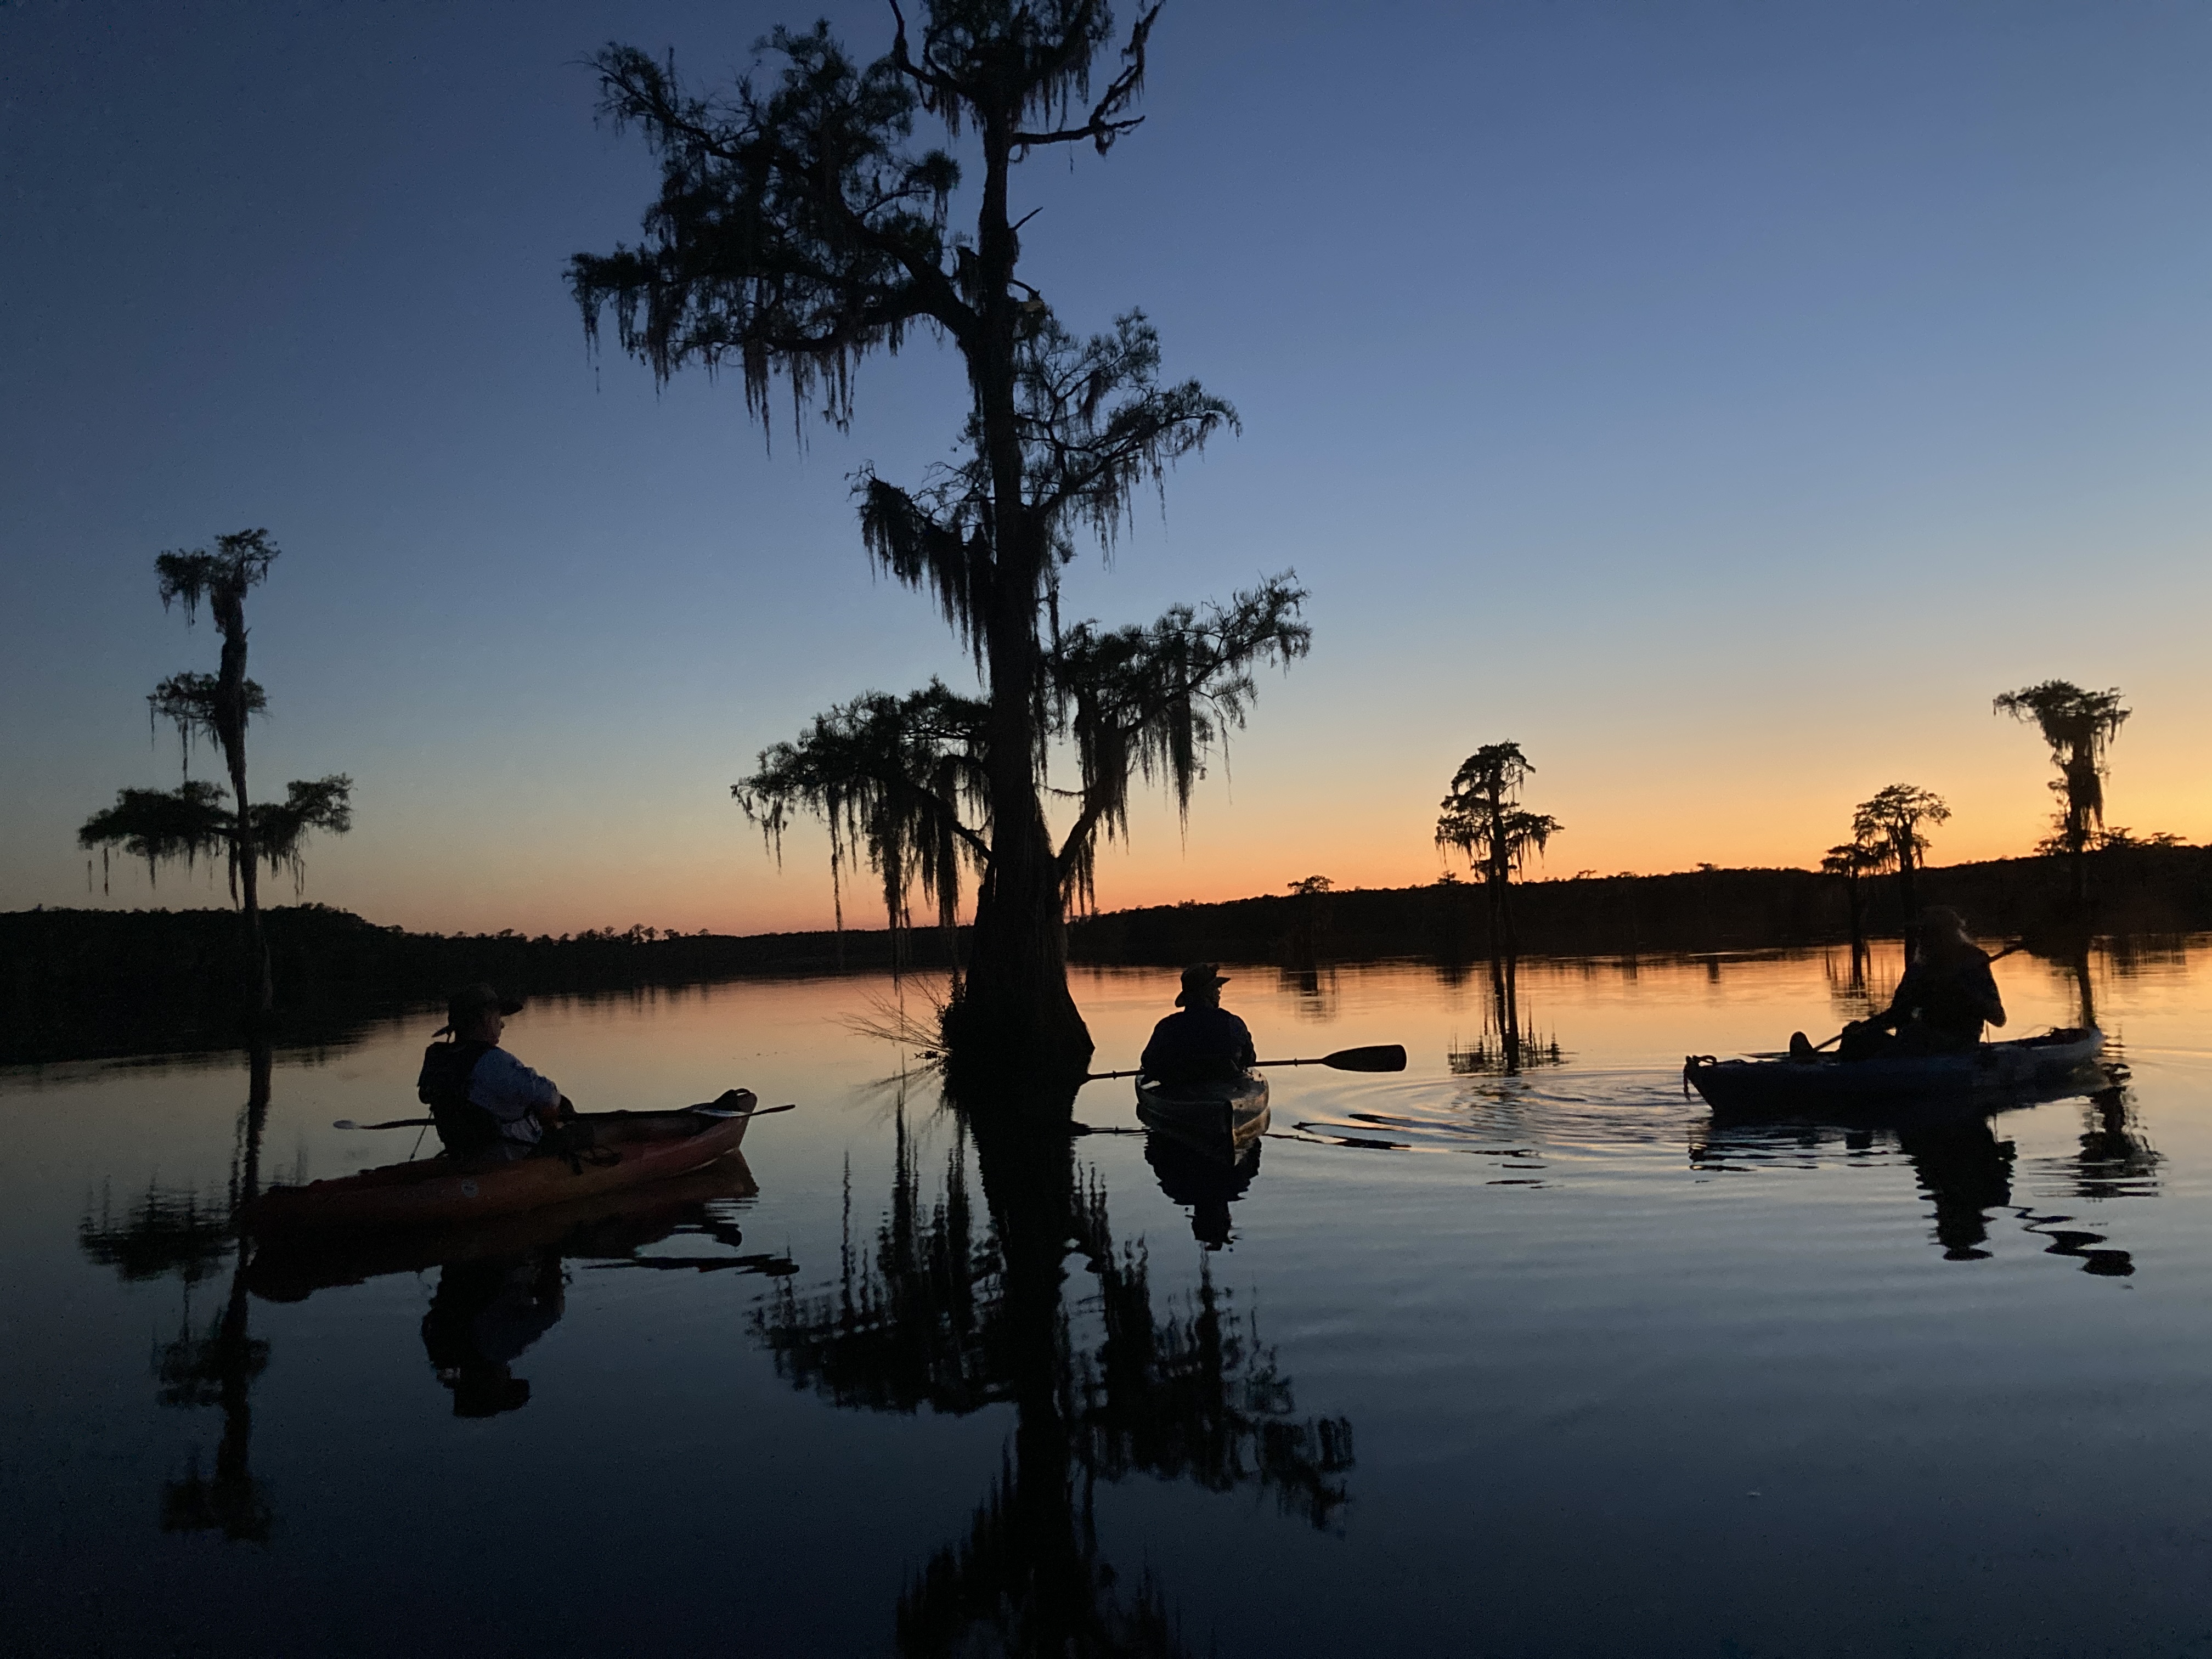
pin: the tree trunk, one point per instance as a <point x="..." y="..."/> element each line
<point x="258" y="986"/>
<point x="1015" y="1015"/>
<point x="230" y="729"/>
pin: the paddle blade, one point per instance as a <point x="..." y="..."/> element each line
<point x="1382" y="1057"/>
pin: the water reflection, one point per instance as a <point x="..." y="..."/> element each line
<point x="1959" y="1164"/>
<point x="1533" y="1327"/>
<point x="170" y="1233"/>
<point x="1848" y="998"/>
<point x="502" y="1282"/>
<point x="501" y="1285"/>
<point x="2116" y="1159"/>
<point x="1508" y="1043"/>
<point x="1203" y="1184"/>
<point x="956" y="1311"/>
<point x="1312" y="992"/>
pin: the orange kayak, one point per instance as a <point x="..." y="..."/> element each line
<point x="646" y="1146"/>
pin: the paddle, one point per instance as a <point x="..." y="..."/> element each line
<point x="1839" y="1036"/>
<point x="1382" y="1057"/>
<point x="708" y="1110"/>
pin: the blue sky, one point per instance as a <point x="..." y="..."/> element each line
<point x="1722" y="400"/>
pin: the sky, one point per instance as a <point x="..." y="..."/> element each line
<point x="1723" y="401"/>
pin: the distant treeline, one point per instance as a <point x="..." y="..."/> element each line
<point x="2140" y="889"/>
<point x="86" y="983"/>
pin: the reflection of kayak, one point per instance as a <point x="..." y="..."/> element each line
<point x="645" y="1146"/>
<point x="1219" y="1117"/>
<point x="1827" y="1083"/>
<point x="290" y="1266"/>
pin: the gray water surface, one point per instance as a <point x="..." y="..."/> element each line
<point x="1539" y="1363"/>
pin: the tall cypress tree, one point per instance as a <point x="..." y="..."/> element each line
<point x="799" y="227"/>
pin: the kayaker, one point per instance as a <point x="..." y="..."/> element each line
<point x="483" y="1098"/>
<point x="1947" y="995"/>
<point x="1205" y="1041"/>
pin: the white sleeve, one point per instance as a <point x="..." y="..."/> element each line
<point x="507" y="1089"/>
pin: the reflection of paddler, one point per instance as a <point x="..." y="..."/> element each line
<point x="1205" y="1184"/>
<point x="483" y="1317"/>
<point x="1966" y="1172"/>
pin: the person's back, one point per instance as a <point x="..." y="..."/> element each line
<point x="1204" y="1042"/>
<point x="1947" y="995"/>
<point x="483" y="1100"/>
<point x="1949" y="998"/>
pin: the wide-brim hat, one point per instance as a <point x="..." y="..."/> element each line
<point x="472" y="999"/>
<point x="1200" y="975"/>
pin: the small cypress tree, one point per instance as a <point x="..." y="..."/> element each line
<point x="2079" y="727"/>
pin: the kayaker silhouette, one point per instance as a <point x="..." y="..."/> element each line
<point x="483" y="1100"/>
<point x="483" y="1317"/>
<point x="1203" y="1042"/>
<point x="1203" y="1183"/>
<point x="1946" y="996"/>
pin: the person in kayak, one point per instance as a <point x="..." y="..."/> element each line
<point x="482" y="1099"/>
<point x="1205" y="1042"/>
<point x="1947" y="995"/>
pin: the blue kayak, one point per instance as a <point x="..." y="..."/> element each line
<point x="1826" y="1084"/>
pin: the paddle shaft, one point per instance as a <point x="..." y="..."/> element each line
<point x="1839" y="1036"/>
<point x="1381" y="1057"/>
<point x="418" y="1122"/>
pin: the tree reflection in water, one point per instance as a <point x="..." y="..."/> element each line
<point x="1508" y="1044"/>
<point x="956" y="1313"/>
<point x="174" y="1233"/>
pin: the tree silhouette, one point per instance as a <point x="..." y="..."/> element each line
<point x="904" y="783"/>
<point x="174" y="1233"/>
<point x="1891" y="819"/>
<point x="958" y="1307"/>
<point x="1483" y="817"/>
<point x="799" y="227"/>
<point x="1853" y="859"/>
<point x="190" y="823"/>
<point x="2079" y="727"/>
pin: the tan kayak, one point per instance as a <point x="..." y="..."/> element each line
<point x="1221" y="1117"/>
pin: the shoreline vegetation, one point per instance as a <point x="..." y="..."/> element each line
<point x="91" y="984"/>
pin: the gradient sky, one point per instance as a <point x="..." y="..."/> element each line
<point x="1724" y="401"/>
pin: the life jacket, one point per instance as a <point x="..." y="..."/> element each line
<point x="443" y="1087"/>
<point x="1949" y="1001"/>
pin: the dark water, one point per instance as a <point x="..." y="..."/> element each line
<point x="1534" y="1364"/>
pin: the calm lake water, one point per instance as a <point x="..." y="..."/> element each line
<point x="1544" y="1363"/>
